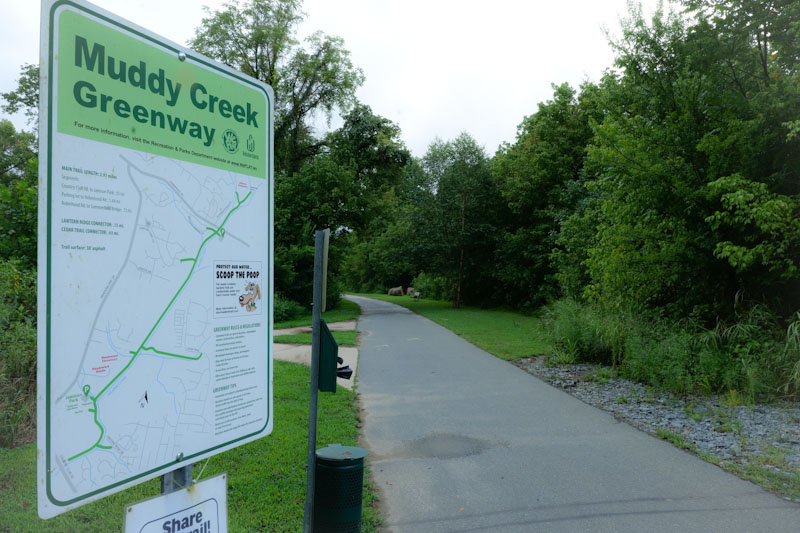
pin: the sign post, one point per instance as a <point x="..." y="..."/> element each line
<point x="316" y="314"/>
<point x="326" y="239"/>
<point x="155" y="257"/>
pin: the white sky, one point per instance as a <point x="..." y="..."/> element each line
<point x="434" y="67"/>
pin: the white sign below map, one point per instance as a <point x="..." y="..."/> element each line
<point x="202" y="508"/>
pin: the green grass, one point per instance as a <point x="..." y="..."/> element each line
<point x="771" y="470"/>
<point x="692" y="413"/>
<point x="601" y="375"/>
<point x="346" y="310"/>
<point x="266" y="478"/>
<point x="505" y="334"/>
<point x="342" y="338"/>
<point x="676" y="439"/>
<point x="784" y="484"/>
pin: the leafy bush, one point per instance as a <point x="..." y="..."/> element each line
<point x="18" y="323"/>
<point x="334" y="292"/>
<point x="17" y="293"/>
<point x="791" y="356"/>
<point x="752" y="354"/>
<point x="583" y="333"/>
<point x="285" y="309"/>
<point x="17" y="351"/>
<point x="658" y="355"/>
<point x="18" y="203"/>
<point x="749" y="355"/>
<point x="433" y="287"/>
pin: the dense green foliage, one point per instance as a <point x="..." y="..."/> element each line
<point x="18" y="194"/>
<point x="18" y="200"/>
<point x="661" y="202"/>
<point x="751" y="353"/>
<point x="17" y="352"/>
<point x="341" y="188"/>
<point x="440" y="221"/>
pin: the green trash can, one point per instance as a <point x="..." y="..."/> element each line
<point x="337" y="489"/>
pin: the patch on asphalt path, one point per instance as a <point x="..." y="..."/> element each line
<point x="441" y="446"/>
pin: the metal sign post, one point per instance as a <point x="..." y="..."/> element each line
<point x="326" y="236"/>
<point x="176" y="480"/>
<point x="196" y="508"/>
<point x="319" y="248"/>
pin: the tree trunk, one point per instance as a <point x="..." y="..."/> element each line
<point x="457" y="299"/>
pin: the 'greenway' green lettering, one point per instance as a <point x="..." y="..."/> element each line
<point x="85" y="94"/>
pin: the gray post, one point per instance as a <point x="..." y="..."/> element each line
<point x="316" y="312"/>
<point x="326" y="236"/>
<point x="176" y="480"/>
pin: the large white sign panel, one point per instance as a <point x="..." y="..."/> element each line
<point x="155" y="257"/>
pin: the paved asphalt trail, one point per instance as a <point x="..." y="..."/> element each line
<point x="462" y="441"/>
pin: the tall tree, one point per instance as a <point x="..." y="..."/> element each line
<point x="25" y="97"/>
<point x="459" y="226"/>
<point x="258" y="37"/>
<point x="536" y="177"/>
<point x="386" y="251"/>
<point x="754" y="151"/>
<point x="653" y="245"/>
<point x="370" y="145"/>
<point x="318" y="196"/>
<point x="695" y="166"/>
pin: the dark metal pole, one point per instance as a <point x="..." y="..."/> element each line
<point x="316" y="312"/>
<point x="176" y="480"/>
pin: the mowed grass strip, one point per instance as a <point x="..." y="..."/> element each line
<point x="266" y="478"/>
<point x="508" y="335"/>
<point x="342" y="338"/>
<point x="346" y="310"/>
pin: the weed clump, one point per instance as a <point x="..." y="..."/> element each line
<point x="753" y="353"/>
<point x="17" y="353"/>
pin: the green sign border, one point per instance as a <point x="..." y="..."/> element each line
<point x="198" y="60"/>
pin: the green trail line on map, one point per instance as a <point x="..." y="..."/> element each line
<point x="218" y="231"/>
<point x="159" y="352"/>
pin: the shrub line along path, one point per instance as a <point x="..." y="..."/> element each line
<point x="462" y="441"/>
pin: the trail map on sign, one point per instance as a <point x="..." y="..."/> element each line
<point x="157" y="261"/>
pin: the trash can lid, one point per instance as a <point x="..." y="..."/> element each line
<point x="337" y="452"/>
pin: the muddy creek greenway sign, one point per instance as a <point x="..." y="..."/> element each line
<point x="155" y="257"/>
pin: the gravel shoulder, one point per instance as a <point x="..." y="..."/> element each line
<point x="758" y="442"/>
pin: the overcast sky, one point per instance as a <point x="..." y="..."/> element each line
<point x="434" y="67"/>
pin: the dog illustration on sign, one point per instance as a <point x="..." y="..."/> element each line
<point x="248" y="299"/>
